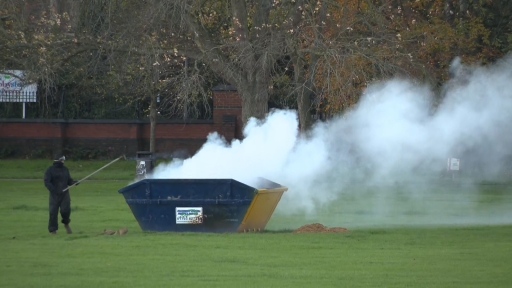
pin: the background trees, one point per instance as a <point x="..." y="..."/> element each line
<point x="157" y="58"/>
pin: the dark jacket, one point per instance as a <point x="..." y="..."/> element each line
<point x="57" y="178"/>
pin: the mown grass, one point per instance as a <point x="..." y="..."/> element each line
<point x="34" y="169"/>
<point x="455" y="256"/>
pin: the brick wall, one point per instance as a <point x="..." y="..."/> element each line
<point x="227" y="108"/>
<point x="24" y="136"/>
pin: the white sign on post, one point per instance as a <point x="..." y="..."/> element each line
<point x="453" y="164"/>
<point x="13" y="89"/>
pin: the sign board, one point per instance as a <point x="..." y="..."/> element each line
<point x="189" y="215"/>
<point x="453" y="164"/>
<point x="13" y="89"/>
<point x="141" y="169"/>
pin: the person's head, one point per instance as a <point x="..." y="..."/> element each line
<point x="59" y="158"/>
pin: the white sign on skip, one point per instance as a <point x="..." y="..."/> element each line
<point x="189" y="215"/>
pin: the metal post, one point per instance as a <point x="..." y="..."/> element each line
<point x="94" y="173"/>
<point x="23" y="110"/>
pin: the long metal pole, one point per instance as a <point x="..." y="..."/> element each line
<point x="93" y="173"/>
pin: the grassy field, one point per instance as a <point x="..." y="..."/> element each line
<point x="456" y="255"/>
<point x="34" y="169"/>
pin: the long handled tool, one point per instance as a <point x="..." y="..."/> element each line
<point x="94" y="173"/>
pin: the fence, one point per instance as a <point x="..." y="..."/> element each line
<point x="17" y="97"/>
<point x="16" y="105"/>
<point x="103" y="137"/>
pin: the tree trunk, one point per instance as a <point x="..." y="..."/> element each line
<point x="254" y="101"/>
<point x="152" y="119"/>
<point x="303" y="94"/>
<point x="304" y="107"/>
<point x="304" y="77"/>
<point x="449" y="11"/>
<point x="463" y="6"/>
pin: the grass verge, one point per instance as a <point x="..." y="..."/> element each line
<point x="476" y="256"/>
<point x="34" y="169"/>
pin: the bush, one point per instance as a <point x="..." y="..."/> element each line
<point x="6" y="152"/>
<point x="42" y="153"/>
<point x="85" y="153"/>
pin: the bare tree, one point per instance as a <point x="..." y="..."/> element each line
<point x="244" y="51"/>
<point x="336" y="47"/>
<point x="322" y="53"/>
<point x="101" y="49"/>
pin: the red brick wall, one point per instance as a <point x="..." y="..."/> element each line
<point x="115" y="137"/>
<point x="228" y="103"/>
<point x="35" y="130"/>
<point x="25" y="136"/>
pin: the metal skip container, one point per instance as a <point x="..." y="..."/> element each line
<point x="202" y="205"/>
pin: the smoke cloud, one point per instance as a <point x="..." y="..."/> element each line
<point x="385" y="161"/>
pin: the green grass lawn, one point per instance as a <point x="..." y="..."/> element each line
<point x="34" y="169"/>
<point x="381" y="255"/>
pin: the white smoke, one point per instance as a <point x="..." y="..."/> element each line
<point x="392" y="145"/>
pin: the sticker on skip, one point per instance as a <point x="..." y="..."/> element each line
<point x="189" y="215"/>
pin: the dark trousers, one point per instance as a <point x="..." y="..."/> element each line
<point x="62" y="202"/>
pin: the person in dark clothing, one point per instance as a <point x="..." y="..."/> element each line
<point x="56" y="179"/>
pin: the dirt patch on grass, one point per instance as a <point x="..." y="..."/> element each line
<point x="319" y="228"/>
<point x="121" y="231"/>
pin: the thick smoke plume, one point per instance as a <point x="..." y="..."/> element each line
<point x="384" y="160"/>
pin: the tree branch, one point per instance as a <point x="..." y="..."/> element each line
<point x="216" y="60"/>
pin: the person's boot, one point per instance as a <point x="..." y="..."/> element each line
<point x="53" y="232"/>
<point x="68" y="229"/>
